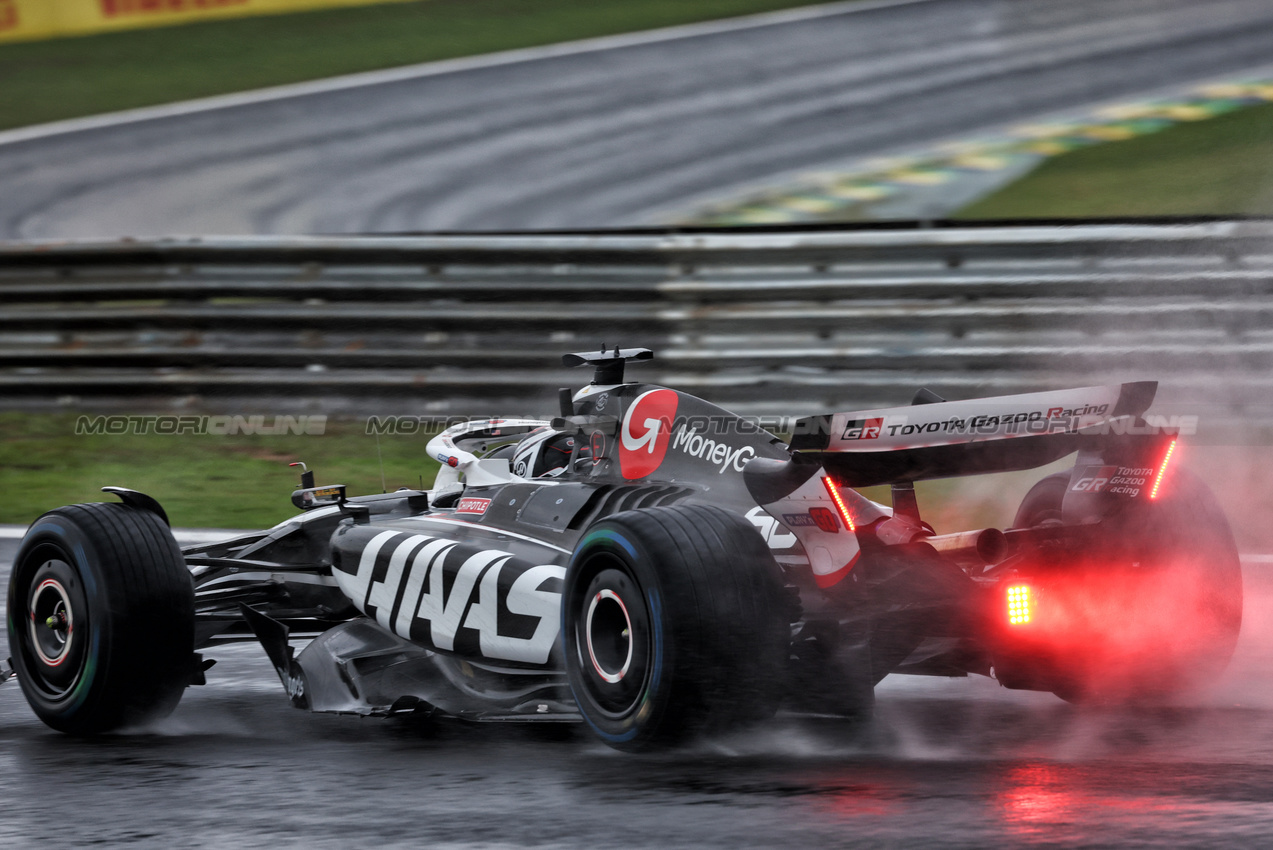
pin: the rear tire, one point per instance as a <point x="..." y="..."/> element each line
<point x="675" y="622"/>
<point x="1161" y="611"/>
<point x="100" y="618"/>
<point x="1042" y="504"/>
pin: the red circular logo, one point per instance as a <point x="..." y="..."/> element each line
<point x="645" y="433"/>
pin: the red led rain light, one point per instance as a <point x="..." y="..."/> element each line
<point x="1162" y="470"/>
<point x="1019" y="604"/>
<point x="834" y="490"/>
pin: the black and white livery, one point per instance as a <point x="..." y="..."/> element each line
<point x="656" y="567"/>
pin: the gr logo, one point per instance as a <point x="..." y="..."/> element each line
<point x="1094" y="479"/>
<point x="863" y="429"/>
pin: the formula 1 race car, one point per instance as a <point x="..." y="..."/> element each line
<point x="656" y="567"/>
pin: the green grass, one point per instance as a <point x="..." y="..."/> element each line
<point x="1221" y="166"/>
<point x="203" y="481"/>
<point x="70" y="77"/>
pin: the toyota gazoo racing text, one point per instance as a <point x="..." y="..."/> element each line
<point x="655" y="567"/>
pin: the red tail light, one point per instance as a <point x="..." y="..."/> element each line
<point x="1020" y="604"/>
<point x="834" y="490"/>
<point x="1162" y="470"/>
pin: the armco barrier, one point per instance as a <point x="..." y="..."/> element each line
<point x="779" y="322"/>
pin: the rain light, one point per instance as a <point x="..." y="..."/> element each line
<point x="834" y="490"/>
<point x="1019" y="604"/>
<point x="1162" y="470"/>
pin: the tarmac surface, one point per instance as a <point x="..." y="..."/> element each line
<point x="956" y="763"/>
<point x="638" y="134"/>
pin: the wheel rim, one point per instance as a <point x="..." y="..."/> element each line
<point x="52" y="622"/>
<point x="608" y="634"/>
<point x="611" y="636"/>
<point x="52" y="643"/>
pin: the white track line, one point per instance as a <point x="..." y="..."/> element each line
<point x="446" y="66"/>
<point x="185" y="536"/>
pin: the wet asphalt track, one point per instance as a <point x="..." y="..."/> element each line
<point x="951" y="763"/>
<point x="623" y="136"/>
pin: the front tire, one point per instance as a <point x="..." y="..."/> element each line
<point x="674" y="623"/>
<point x="100" y="618"/>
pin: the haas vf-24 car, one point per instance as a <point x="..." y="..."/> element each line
<point x="655" y="567"/>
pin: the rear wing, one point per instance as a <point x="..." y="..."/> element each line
<point x="1001" y="434"/>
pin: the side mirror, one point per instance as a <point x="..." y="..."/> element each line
<point x="318" y="497"/>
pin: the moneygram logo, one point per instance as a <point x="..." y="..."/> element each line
<point x="721" y="455"/>
<point x="646" y="432"/>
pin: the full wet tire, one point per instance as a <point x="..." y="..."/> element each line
<point x="100" y="618"/>
<point x="675" y="623"/>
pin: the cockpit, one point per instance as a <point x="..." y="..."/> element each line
<point x="495" y="451"/>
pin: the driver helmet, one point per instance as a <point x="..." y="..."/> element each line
<point x="543" y="453"/>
